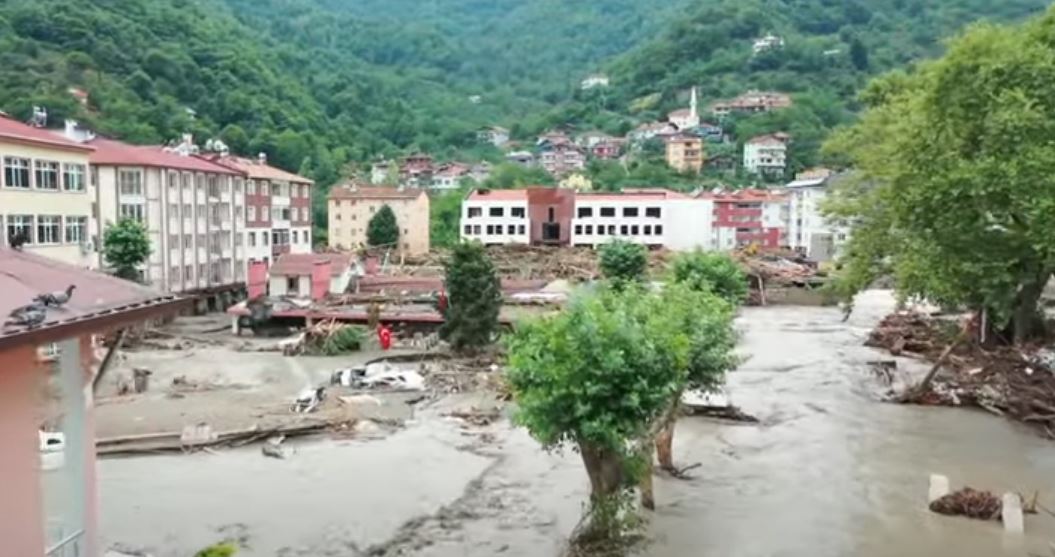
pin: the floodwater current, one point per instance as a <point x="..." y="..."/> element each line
<point x="829" y="471"/>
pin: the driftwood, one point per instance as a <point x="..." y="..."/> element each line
<point x="172" y="442"/>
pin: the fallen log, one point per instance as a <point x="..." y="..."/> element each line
<point x="172" y="442"/>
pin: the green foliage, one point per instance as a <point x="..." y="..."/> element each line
<point x="445" y="213"/>
<point x="383" y="230"/>
<point x="218" y="550"/>
<point x="474" y="296"/>
<point x="510" y="176"/>
<point x="623" y="261"/>
<point x="348" y="338"/>
<point x="711" y="272"/>
<point x="126" y="247"/>
<point x="954" y="194"/>
<point x="602" y="371"/>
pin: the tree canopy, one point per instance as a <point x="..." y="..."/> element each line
<point x="474" y="296"/>
<point x="126" y="247"/>
<point x="623" y="261"/>
<point x="383" y="230"/>
<point x="954" y="195"/>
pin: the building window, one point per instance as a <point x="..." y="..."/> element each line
<point x="490" y="230"/>
<point x="76" y="229"/>
<point x="132" y="211"/>
<point x="611" y="230"/>
<point x="296" y="237"/>
<point x="476" y="230"/>
<point x="511" y="229"/>
<point x="265" y="188"/>
<point x="48" y="227"/>
<point x="496" y="212"/>
<point x="188" y="211"/>
<point x="188" y="241"/>
<point x="600" y="231"/>
<point x="214" y="185"/>
<point x="578" y="229"/>
<point x="589" y="230"/>
<point x="16" y="172"/>
<point x="634" y="230"/>
<point x="624" y="230"/>
<point x="252" y="212"/>
<point x="607" y="211"/>
<point x="550" y="213"/>
<point x="130" y="182"/>
<point x="520" y="229"/>
<point x="659" y="230"/>
<point x="468" y="230"/>
<point x="252" y="239"/>
<point x="264" y="238"/>
<point x="174" y="274"/>
<point x="47" y="175"/>
<point x="20" y="226"/>
<point x="73" y="177"/>
<point x="201" y="271"/>
<point x="188" y="272"/>
<point x="652" y="212"/>
<point x="475" y="212"/>
<point x="585" y="212"/>
<point x="250" y="188"/>
<point x="629" y="211"/>
<point x="648" y="230"/>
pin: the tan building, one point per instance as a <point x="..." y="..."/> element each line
<point x="44" y="194"/>
<point x="685" y="153"/>
<point x="352" y="206"/>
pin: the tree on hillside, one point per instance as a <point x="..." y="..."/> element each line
<point x="383" y="230"/>
<point x="859" y="54"/>
<point x="603" y="375"/>
<point x="623" y="261"/>
<point x="126" y="247"/>
<point x="445" y="212"/>
<point x="474" y="297"/>
<point x="955" y="197"/>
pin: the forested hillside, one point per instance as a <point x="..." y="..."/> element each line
<point x="318" y="83"/>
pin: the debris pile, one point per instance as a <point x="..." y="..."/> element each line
<point x="968" y="502"/>
<point x="327" y="338"/>
<point x="532" y="262"/>
<point x="1005" y="380"/>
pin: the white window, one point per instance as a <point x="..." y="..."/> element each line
<point x="76" y="229"/>
<point x="48" y="227"/>
<point x="250" y="188"/>
<point x="132" y="211"/>
<point x="252" y="212"/>
<point x="188" y="211"/>
<point x="304" y="192"/>
<point x="238" y="186"/>
<point x="295" y="240"/>
<point x="173" y="183"/>
<point x="265" y="238"/>
<point x="252" y="239"/>
<point x="47" y="175"/>
<point x="16" y="172"/>
<point x="264" y="188"/>
<point x="73" y="177"/>
<point x="130" y="182"/>
<point x="20" y="226"/>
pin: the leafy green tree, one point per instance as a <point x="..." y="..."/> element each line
<point x="859" y="54"/>
<point x="383" y="230"/>
<point x="623" y="261"/>
<point x="605" y="373"/>
<point x="954" y="195"/>
<point x="474" y="297"/>
<point x="445" y="212"/>
<point x="126" y="247"/>
<point x="710" y="272"/>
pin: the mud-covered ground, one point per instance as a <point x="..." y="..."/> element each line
<point x="829" y="471"/>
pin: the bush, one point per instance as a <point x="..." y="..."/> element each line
<point x="710" y="272"/>
<point x="623" y="261"/>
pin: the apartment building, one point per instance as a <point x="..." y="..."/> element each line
<point x="560" y="159"/>
<point x="192" y="209"/>
<point x="351" y="207"/>
<point x="767" y="155"/>
<point x="45" y="198"/>
<point x="685" y="153"/>
<point x="809" y="231"/>
<point x="748" y="217"/>
<point x="653" y="217"/>
<point x="278" y="217"/>
<point x="496" y="217"/>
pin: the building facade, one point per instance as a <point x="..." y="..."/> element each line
<point x="652" y="217"/>
<point x="809" y="231"/>
<point x="351" y="207"/>
<point x="496" y="217"/>
<point x="45" y="197"/>
<point x="562" y="158"/>
<point x="749" y="217"/>
<point x="278" y="215"/>
<point x="193" y="210"/>
<point x="494" y="135"/>
<point x="686" y="119"/>
<point x="767" y="155"/>
<point x="685" y="153"/>
<point x="752" y="102"/>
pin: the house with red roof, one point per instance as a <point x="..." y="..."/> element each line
<point x="311" y="275"/>
<point x="45" y="197"/>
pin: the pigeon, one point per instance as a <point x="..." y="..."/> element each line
<point x="58" y="298"/>
<point x="27" y="316"/>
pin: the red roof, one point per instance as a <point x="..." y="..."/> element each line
<point x="98" y="302"/>
<point x="109" y="152"/>
<point x="633" y="194"/>
<point x="301" y="264"/>
<point x="498" y="195"/>
<point x="733" y="196"/>
<point x="256" y="170"/>
<point x="778" y="138"/>
<point x="14" y="130"/>
<point x="355" y="191"/>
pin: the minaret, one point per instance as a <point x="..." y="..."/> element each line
<point x="694" y="116"/>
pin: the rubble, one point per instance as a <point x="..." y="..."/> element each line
<point x="968" y="502"/>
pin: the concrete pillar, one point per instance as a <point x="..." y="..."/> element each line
<point x="1011" y="514"/>
<point x="21" y="505"/>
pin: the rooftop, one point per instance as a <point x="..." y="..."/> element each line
<point x="113" y="152"/>
<point x="355" y="191"/>
<point x="770" y="139"/>
<point x="633" y="194"/>
<point x="99" y="301"/>
<point x="256" y="169"/>
<point x="14" y="130"/>
<point x="742" y="195"/>
<point x="498" y="195"/>
<point x="300" y="264"/>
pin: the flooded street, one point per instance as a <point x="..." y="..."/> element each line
<point x="829" y="471"/>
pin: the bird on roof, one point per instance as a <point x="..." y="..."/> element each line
<point x="58" y="298"/>
<point x="28" y="316"/>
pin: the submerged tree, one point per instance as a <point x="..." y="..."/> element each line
<point x="955" y="196"/>
<point x="710" y="272"/>
<point x="603" y="376"/>
<point x="126" y="247"/>
<point x="383" y="230"/>
<point x="474" y="297"/>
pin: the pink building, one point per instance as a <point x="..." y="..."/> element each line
<point x="750" y="216"/>
<point x="49" y="503"/>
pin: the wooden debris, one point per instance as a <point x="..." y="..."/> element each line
<point x="173" y="442"/>
<point x="981" y="505"/>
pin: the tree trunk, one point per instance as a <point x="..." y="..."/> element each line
<point x="648" y="497"/>
<point x="605" y="469"/>
<point x="1026" y="321"/>
<point x="665" y="445"/>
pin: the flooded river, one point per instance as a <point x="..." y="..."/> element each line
<point x="829" y="472"/>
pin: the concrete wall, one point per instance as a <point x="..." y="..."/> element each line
<point x="543" y="201"/>
<point x="476" y="228"/>
<point x="349" y="219"/>
<point x="37" y="202"/>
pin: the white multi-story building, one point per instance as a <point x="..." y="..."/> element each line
<point x="809" y="231"/>
<point x="45" y="199"/>
<point x="496" y="217"/>
<point x="653" y="217"/>
<point x="192" y="209"/>
<point x="767" y="154"/>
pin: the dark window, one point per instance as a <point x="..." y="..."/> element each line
<point x="578" y="229"/>
<point x="511" y="229"/>
<point x="648" y="230"/>
<point x="516" y="212"/>
<point x="652" y="212"/>
<point x="551" y="214"/>
<point x="607" y="211"/>
<point x="476" y="230"/>
<point x="589" y="229"/>
<point x="611" y="230"/>
<point x="496" y="212"/>
<point x="490" y="229"/>
<point x="634" y="230"/>
<point x="468" y="230"/>
<point x="629" y="211"/>
<point x="624" y="230"/>
<point x="520" y="229"/>
<point x="659" y="230"/>
<point x="585" y="212"/>
<point x="475" y="212"/>
<point x="600" y="231"/>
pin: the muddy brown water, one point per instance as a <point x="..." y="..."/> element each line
<point x="829" y="471"/>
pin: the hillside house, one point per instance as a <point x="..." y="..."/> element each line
<point x="382" y="171"/>
<point x="686" y="119"/>
<point x="494" y="135"/>
<point x="311" y="275"/>
<point x="416" y="171"/>
<point x="562" y="158"/>
<point x="652" y="130"/>
<point x="767" y="43"/>
<point x="449" y="176"/>
<point x="752" y="102"/>
<point x="685" y="153"/>
<point x="607" y="150"/>
<point x="766" y="155"/>
<point x="521" y="158"/>
<point x="594" y="81"/>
